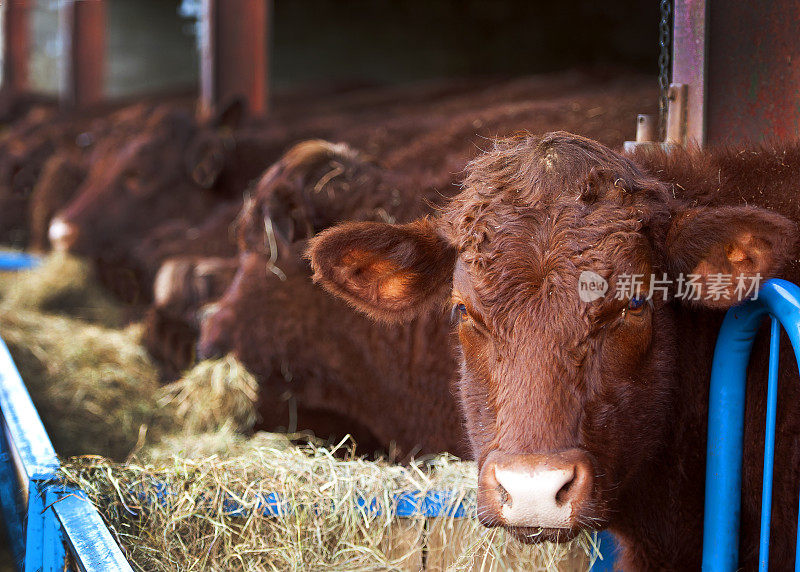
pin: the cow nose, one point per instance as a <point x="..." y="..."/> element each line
<point x="213" y="325"/>
<point x="62" y="235"/>
<point x="540" y="491"/>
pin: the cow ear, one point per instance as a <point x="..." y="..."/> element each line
<point x="391" y="272"/>
<point x="205" y="160"/>
<point x="207" y="155"/>
<point x="230" y="114"/>
<point x="727" y="249"/>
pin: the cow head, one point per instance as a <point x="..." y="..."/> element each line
<point x="314" y="185"/>
<point x="567" y="392"/>
<point x="182" y="286"/>
<point x="159" y="173"/>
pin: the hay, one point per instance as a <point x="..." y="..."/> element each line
<point x="175" y="513"/>
<point x="95" y="388"/>
<point x="98" y="392"/>
<point x="64" y="285"/>
<point x="213" y="393"/>
<point x="7" y="279"/>
<point x="224" y="442"/>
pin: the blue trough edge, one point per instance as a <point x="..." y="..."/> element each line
<point x="39" y="515"/>
<point x="13" y="261"/>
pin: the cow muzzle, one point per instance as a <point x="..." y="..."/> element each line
<point x="535" y="491"/>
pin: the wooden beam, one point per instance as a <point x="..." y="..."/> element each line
<point x="235" y="54"/>
<point x="16" y="45"/>
<point x="83" y="24"/>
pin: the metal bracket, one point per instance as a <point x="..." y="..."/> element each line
<point x="646" y="125"/>
<point x="678" y="98"/>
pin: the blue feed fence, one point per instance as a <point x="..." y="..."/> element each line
<point x="780" y="301"/>
<point x="46" y="521"/>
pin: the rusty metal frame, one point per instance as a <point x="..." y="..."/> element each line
<point x="83" y="29"/>
<point x="234" y="59"/>
<point x="17" y="45"/>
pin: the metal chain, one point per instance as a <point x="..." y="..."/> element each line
<point x="664" y="65"/>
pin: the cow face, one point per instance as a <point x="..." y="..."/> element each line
<point x="159" y="173"/>
<point x="263" y="285"/>
<point x="567" y="395"/>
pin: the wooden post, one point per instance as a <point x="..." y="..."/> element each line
<point x="83" y="25"/>
<point x="235" y="54"/>
<point x="16" y="45"/>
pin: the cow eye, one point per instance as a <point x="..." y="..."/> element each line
<point x="130" y="177"/>
<point x="459" y="315"/>
<point x="636" y="304"/>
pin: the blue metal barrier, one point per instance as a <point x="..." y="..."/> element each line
<point x="43" y="519"/>
<point x="780" y="300"/>
<point x="13" y="261"/>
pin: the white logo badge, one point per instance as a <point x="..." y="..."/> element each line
<point x="591" y="286"/>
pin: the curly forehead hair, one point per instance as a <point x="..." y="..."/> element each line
<point x="535" y="211"/>
<point x="558" y="171"/>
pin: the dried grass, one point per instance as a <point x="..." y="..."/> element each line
<point x="94" y="387"/>
<point x="213" y="393"/>
<point x="98" y="391"/>
<point x="62" y="285"/>
<point x="171" y="504"/>
<point x="202" y="512"/>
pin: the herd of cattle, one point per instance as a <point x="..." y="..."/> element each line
<point x="463" y="253"/>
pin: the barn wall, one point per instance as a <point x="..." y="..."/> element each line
<point x="152" y="47"/>
<point x="401" y="40"/>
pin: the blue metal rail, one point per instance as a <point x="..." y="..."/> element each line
<point x="13" y="261"/>
<point x="780" y="300"/>
<point x="44" y="520"/>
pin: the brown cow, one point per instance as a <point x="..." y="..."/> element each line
<point x="314" y="185"/>
<point x="192" y="267"/>
<point x="592" y="414"/>
<point x="174" y="172"/>
<point x="43" y="159"/>
<point x="61" y="176"/>
<point x="424" y="170"/>
<point x="321" y="367"/>
<point x="24" y="148"/>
